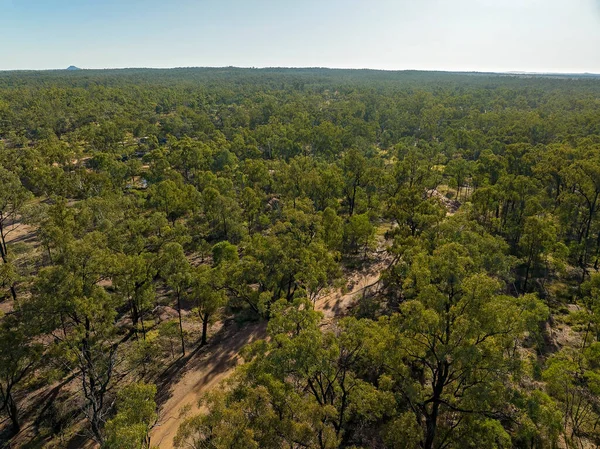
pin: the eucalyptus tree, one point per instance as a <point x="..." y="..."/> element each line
<point x="19" y="355"/>
<point x="175" y="269"/>
<point x="13" y="197"/>
<point x="71" y="303"/>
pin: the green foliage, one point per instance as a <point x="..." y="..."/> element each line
<point x="136" y="414"/>
<point x="175" y="269"/>
<point x="173" y="199"/>
<point x="223" y="191"/>
<point x="144" y="354"/>
<point x="298" y="388"/>
<point x="359" y="233"/>
<point x="19" y="355"/>
<point x="452" y="344"/>
<point x="224" y="252"/>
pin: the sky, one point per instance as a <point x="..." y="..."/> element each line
<point x="456" y="35"/>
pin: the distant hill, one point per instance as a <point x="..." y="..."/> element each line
<point x="72" y="67"/>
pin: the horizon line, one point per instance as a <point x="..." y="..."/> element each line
<point x="500" y="72"/>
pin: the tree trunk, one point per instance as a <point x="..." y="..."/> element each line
<point x="49" y="254"/>
<point x="13" y="414"/>
<point x="205" y="319"/>
<point x="180" y="324"/>
<point x="224" y="224"/>
<point x="353" y="198"/>
<point x="90" y="389"/>
<point x="96" y="431"/>
<point x="143" y="327"/>
<point x="432" y="418"/>
<point x="135" y="316"/>
<point x="529" y="261"/>
<point x="592" y="211"/>
<point x="3" y="253"/>
<point x="430" y="430"/>
<point x="3" y="247"/>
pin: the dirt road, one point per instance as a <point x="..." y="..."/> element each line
<point x="208" y="367"/>
<point x="202" y="371"/>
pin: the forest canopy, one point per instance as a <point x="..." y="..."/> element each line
<point x="150" y="220"/>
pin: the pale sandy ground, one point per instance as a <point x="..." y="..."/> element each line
<point x="222" y="357"/>
<point x="204" y="370"/>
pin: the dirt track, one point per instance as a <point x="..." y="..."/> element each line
<point x="201" y="371"/>
<point x="206" y="368"/>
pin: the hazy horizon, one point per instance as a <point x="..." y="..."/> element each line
<point x="532" y="36"/>
<point x="510" y="72"/>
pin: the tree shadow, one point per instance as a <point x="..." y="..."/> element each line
<point x="218" y="356"/>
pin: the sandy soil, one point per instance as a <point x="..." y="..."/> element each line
<point x="338" y="304"/>
<point x="201" y="371"/>
<point x="451" y="205"/>
<point x="207" y="368"/>
<point x="18" y="232"/>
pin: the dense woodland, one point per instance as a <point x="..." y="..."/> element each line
<point x="140" y="210"/>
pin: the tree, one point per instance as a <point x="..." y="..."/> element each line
<point x="190" y="157"/>
<point x="539" y="238"/>
<point x="170" y="331"/>
<point x="134" y="278"/>
<point x="175" y="270"/>
<point x="451" y="345"/>
<point x="458" y="170"/>
<point x="57" y="227"/>
<point x="359" y="233"/>
<point x="208" y="294"/>
<point x="407" y="190"/>
<point x="572" y="377"/>
<point x="333" y="229"/>
<point x="540" y="421"/>
<point x="251" y="203"/>
<point x="221" y="213"/>
<point x="19" y="354"/>
<point x="298" y="389"/>
<point x="289" y="261"/>
<point x="8" y="279"/>
<point x="136" y="415"/>
<point x="583" y="181"/>
<point x="354" y="166"/>
<point x="323" y="186"/>
<point x="326" y="139"/>
<point x="224" y="252"/>
<point x="174" y="199"/>
<point x="13" y="197"/>
<point x="70" y="304"/>
<point x="488" y="169"/>
<point x="144" y="356"/>
<point x="590" y="292"/>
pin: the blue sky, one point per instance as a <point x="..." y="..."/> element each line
<point x="482" y="35"/>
